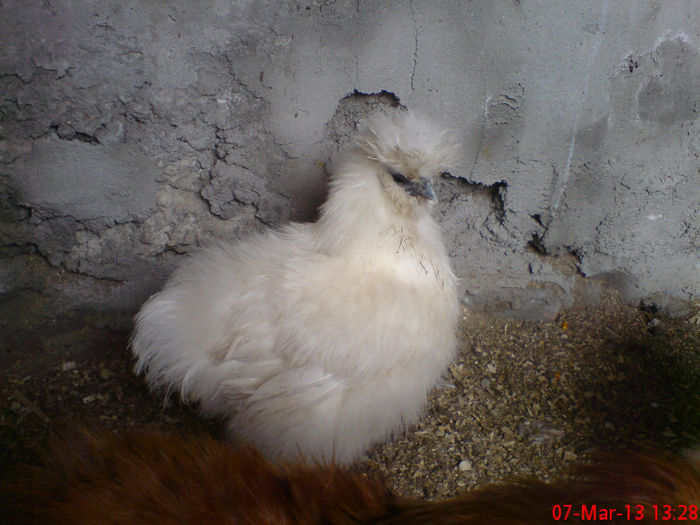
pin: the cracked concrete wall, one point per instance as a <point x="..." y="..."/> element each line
<point x="132" y="131"/>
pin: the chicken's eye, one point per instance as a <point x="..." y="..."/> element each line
<point x="399" y="178"/>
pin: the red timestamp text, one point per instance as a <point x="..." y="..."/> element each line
<point x="593" y="512"/>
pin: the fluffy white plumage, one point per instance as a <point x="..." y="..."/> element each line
<point x="319" y="338"/>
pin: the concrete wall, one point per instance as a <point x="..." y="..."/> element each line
<point x="134" y="130"/>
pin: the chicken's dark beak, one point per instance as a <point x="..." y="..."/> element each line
<point x="422" y="188"/>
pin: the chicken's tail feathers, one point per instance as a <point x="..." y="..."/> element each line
<point x="160" y="345"/>
<point x="292" y="415"/>
<point x="295" y="389"/>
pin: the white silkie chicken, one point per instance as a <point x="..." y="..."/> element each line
<point x="318" y="339"/>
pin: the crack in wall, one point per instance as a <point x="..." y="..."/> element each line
<point x="415" y="46"/>
<point x="66" y="132"/>
<point x="496" y="193"/>
<point x="561" y="182"/>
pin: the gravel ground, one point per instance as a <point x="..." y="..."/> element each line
<point x="522" y="398"/>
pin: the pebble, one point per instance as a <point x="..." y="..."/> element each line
<point x="68" y="365"/>
<point x="465" y="465"/>
<point x="570" y="456"/>
<point x="668" y="433"/>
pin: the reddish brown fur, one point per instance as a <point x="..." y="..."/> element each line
<point x="148" y="477"/>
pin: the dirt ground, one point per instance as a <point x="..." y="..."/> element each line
<point x="522" y="398"/>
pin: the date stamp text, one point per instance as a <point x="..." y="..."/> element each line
<point x="593" y="512"/>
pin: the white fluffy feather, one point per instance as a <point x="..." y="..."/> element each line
<point x="319" y="339"/>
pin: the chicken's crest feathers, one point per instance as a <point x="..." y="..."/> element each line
<point x="409" y="137"/>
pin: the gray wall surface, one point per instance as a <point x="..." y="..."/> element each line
<point x="133" y="131"/>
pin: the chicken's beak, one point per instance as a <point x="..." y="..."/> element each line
<point x="422" y="188"/>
